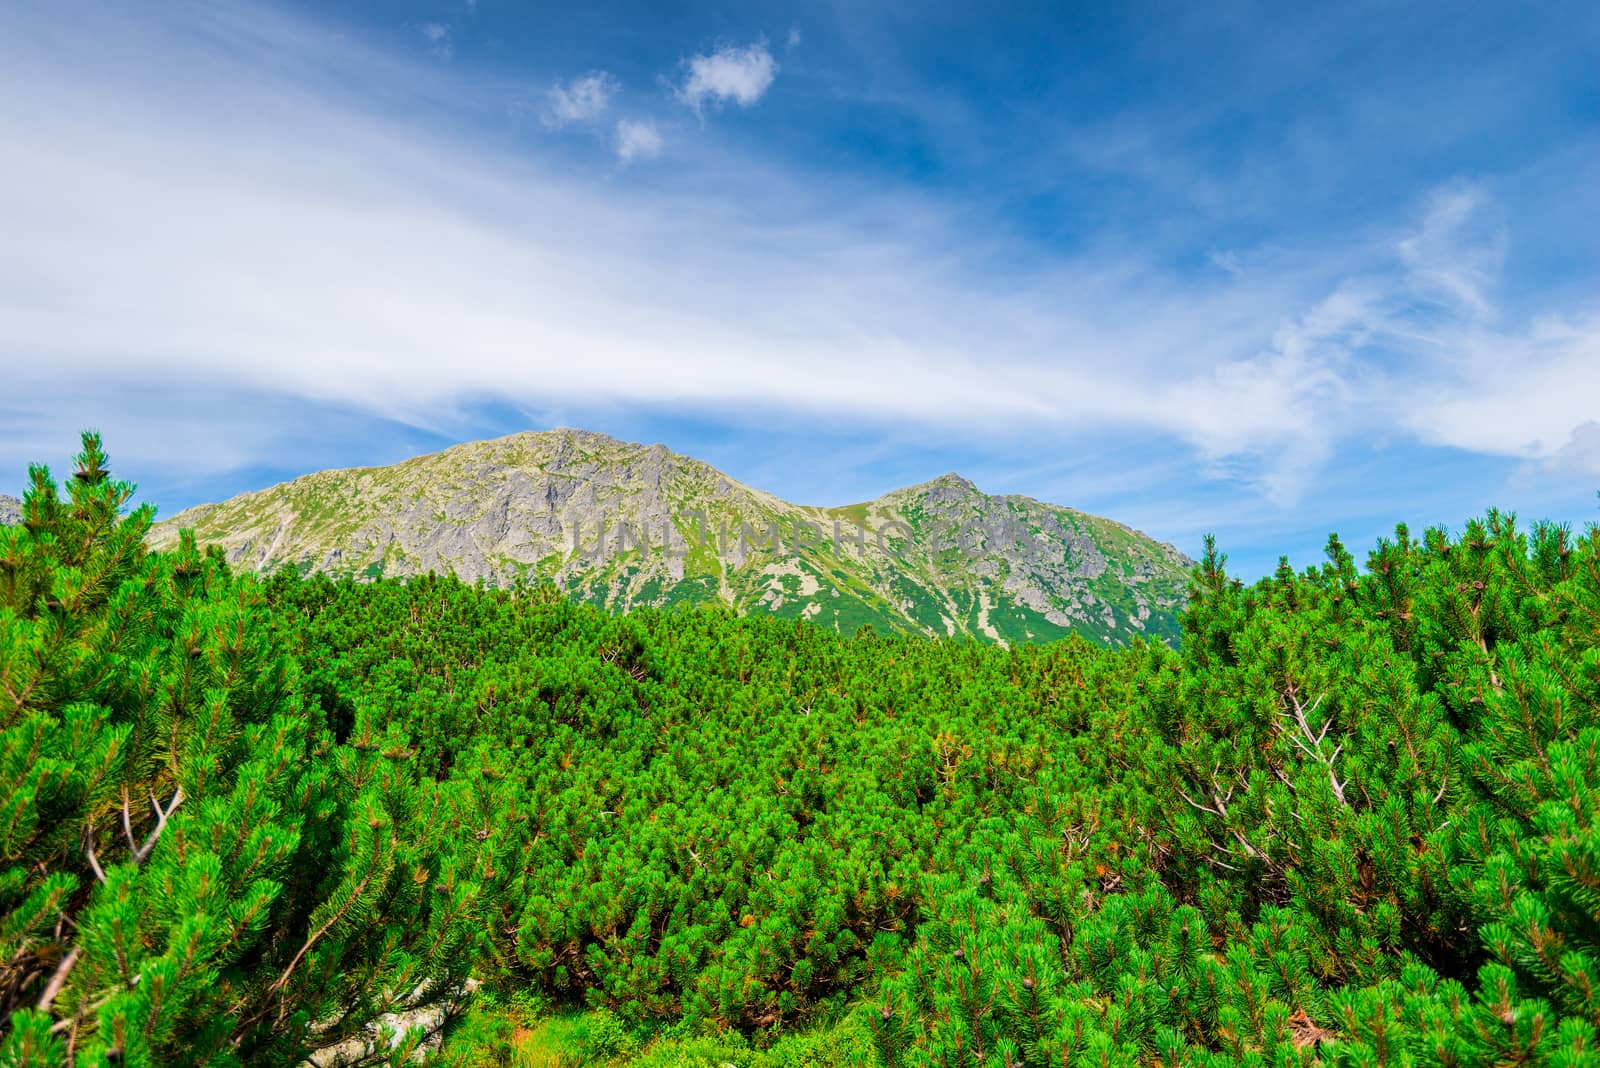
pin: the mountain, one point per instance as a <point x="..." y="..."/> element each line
<point x="10" y="510"/>
<point x="937" y="558"/>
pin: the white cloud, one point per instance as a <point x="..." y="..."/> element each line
<point x="742" y="75"/>
<point x="581" y="100"/>
<point x="637" y="140"/>
<point x="1525" y="392"/>
<point x="1226" y="260"/>
<point x="279" y="234"/>
<point x="1581" y="453"/>
<point x="437" y="34"/>
<point x="793" y="40"/>
<point x="1426" y="349"/>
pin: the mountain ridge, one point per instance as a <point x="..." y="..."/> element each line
<point x="622" y="525"/>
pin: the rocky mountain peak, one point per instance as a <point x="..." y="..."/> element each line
<point x="624" y="525"/>
<point x="951" y="486"/>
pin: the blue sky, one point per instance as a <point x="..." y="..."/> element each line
<point x="1224" y="267"/>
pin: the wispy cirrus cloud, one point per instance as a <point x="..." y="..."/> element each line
<point x="1456" y="254"/>
<point x="741" y="75"/>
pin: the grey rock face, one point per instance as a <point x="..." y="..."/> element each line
<point x="10" y="511"/>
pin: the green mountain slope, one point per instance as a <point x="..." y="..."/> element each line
<point x="622" y="525"/>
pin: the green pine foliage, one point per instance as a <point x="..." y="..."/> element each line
<point x="194" y="870"/>
<point x="1350" y="820"/>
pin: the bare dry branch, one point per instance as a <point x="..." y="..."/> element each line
<point x="58" y="980"/>
<point x="162" y="815"/>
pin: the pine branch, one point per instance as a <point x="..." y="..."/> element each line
<point x="350" y="902"/>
